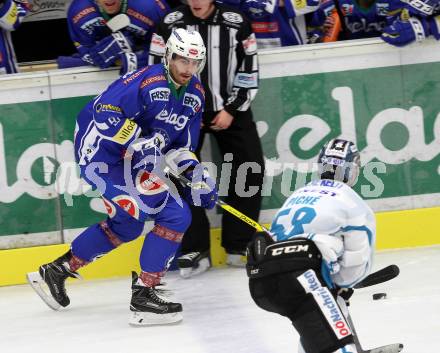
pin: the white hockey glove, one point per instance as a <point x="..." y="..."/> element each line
<point x="146" y="152"/>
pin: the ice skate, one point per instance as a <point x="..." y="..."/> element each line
<point x="236" y="259"/>
<point x="193" y="263"/>
<point x="148" y="306"/>
<point x="49" y="282"/>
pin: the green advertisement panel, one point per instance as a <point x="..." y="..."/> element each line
<point x="392" y="113"/>
<point x="28" y="201"/>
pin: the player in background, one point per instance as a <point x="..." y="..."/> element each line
<point x="356" y="19"/>
<point x="12" y="13"/>
<point x="120" y="140"/>
<point x="276" y="23"/>
<point x="412" y="21"/>
<point x="321" y="244"/>
<point x="94" y="40"/>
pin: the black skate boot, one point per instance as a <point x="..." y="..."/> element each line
<point x="193" y="263"/>
<point x="54" y="275"/>
<point x="148" y="307"/>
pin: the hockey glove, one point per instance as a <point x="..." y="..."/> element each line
<point x="345" y="294"/>
<point x="106" y="51"/>
<point x="129" y="63"/>
<point x="146" y="153"/>
<point x="421" y="7"/>
<point x="299" y="8"/>
<point x="256" y="9"/>
<point x="202" y="191"/>
<point x="402" y="33"/>
<point x="132" y="61"/>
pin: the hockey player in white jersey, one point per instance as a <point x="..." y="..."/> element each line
<point x="321" y="243"/>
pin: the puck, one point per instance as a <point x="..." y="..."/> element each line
<point x="377" y="296"/>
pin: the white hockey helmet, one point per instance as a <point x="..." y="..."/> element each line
<point x="188" y="44"/>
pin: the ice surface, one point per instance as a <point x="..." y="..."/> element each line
<point x="219" y="315"/>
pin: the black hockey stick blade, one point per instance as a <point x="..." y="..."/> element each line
<point x="383" y="275"/>
<point x="389" y="348"/>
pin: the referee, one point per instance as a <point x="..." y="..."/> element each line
<point x="230" y="79"/>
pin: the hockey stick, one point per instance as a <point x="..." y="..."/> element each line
<point x="383" y="275"/>
<point x="380" y="276"/>
<point x="389" y="348"/>
<point x="185" y="182"/>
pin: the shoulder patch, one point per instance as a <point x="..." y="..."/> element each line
<point x="131" y="76"/>
<point x="192" y="101"/>
<point x="135" y="14"/>
<point x="233" y="17"/>
<point x="83" y="13"/>
<point x="173" y="17"/>
<point x="201" y="89"/>
<point x="161" y="5"/>
<point x="152" y="79"/>
<point x="160" y="94"/>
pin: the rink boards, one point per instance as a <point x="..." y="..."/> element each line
<point x="382" y="97"/>
<point x="399" y="229"/>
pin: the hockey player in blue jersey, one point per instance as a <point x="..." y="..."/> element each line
<point x="11" y="14"/>
<point x="358" y="18"/>
<point x="121" y="138"/>
<point x="129" y="46"/>
<point x="321" y="244"/>
<point x="278" y="23"/>
<point x="412" y="21"/>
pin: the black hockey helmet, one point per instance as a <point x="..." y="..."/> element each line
<point x="339" y="160"/>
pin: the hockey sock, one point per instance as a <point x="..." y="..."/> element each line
<point x="94" y="242"/>
<point x="159" y="248"/>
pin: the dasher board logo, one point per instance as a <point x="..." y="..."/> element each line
<point x="47" y="10"/>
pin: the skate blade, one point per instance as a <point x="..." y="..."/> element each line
<point x="37" y="283"/>
<point x="188" y="272"/>
<point x="147" y="319"/>
<point x="390" y="348"/>
<point x="236" y="260"/>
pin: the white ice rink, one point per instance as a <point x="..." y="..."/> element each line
<point x="219" y="316"/>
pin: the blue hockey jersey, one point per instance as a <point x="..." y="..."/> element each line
<point x="87" y="24"/>
<point x="358" y="22"/>
<point x="285" y="26"/>
<point x="143" y="103"/>
<point x="11" y="15"/>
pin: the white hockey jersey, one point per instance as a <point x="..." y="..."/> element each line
<point x="341" y="224"/>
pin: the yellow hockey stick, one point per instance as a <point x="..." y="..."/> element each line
<point x="185" y="182"/>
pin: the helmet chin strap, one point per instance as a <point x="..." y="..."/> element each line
<point x="170" y="76"/>
<point x="168" y="71"/>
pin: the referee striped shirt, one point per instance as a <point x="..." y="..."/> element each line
<point x="230" y="76"/>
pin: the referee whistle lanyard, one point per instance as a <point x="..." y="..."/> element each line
<point x="106" y="16"/>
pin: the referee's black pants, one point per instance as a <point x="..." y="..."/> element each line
<point x="241" y="139"/>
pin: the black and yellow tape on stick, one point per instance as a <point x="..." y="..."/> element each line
<point x="186" y="182"/>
